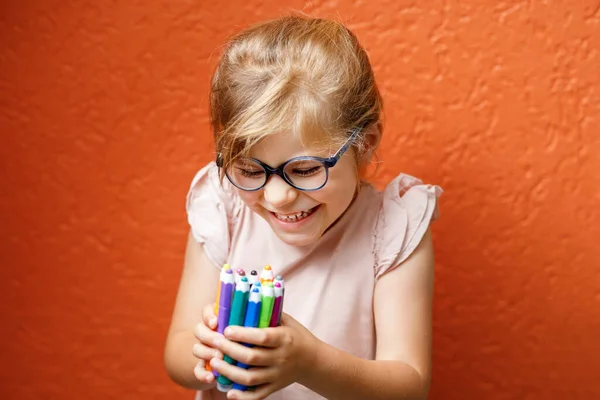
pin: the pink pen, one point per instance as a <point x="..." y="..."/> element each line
<point x="279" y="279"/>
<point x="238" y="275"/>
<point x="277" y="306"/>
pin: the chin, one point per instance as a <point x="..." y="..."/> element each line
<point x="297" y="240"/>
<point x="298" y="234"/>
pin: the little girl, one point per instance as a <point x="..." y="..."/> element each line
<point x="296" y="119"/>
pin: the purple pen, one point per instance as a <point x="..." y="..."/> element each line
<point x="227" y="287"/>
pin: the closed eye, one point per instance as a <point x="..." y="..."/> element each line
<point x="307" y="171"/>
<point x="250" y="173"/>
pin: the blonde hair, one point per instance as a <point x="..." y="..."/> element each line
<point x="306" y="75"/>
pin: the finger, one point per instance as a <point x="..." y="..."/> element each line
<point x="209" y="317"/>
<point x="204" y="352"/>
<point x="264" y="337"/>
<point x="246" y="377"/>
<point x="205" y="335"/>
<point x="202" y="374"/>
<point x="254" y="356"/>
<point x="259" y="392"/>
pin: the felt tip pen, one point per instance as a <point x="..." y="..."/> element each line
<point x="279" y="279"/>
<point x="277" y="305"/>
<point x="236" y="318"/>
<point x="223" y="270"/>
<point x="266" y="275"/>
<point x="238" y="274"/>
<point x="216" y="309"/>
<point x="251" y="321"/>
<point x="253" y="278"/>
<point x="225" y="298"/>
<point x="266" y="308"/>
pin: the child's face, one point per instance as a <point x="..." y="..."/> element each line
<point x="277" y="201"/>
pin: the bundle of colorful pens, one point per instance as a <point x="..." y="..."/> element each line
<point x="247" y="301"/>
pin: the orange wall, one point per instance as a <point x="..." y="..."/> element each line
<point x="103" y="114"/>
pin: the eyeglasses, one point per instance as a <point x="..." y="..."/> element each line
<point x="304" y="173"/>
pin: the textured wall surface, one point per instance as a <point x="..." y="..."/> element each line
<point x="103" y="115"/>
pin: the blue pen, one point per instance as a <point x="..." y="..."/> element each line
<point x="251" y="321"/>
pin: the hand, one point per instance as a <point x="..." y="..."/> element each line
<point x="205" y="333"/>
<point x="283" y="356"/>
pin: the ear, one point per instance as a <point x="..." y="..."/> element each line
<point x="372" y="140"/>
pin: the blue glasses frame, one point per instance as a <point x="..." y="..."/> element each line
<point x="327" y="163"/>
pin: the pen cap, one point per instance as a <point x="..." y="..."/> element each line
<point x="253" y="277"/>
<point x="266" y="275"/>
<point x="227" y="286"/>
<point x="225" y="299"/>
<point x="238" y="274"/>
<point x="255" y="295"/>
<point x="225" y="268"/>
<point x="253" y="309"/>
<point x="240" y="302"/>
<point x="279" y="279"/>
<point x="277" y="289"/>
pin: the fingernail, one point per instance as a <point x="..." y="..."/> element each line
<point x="228" y="332"/>
<point x="213" y="321"/>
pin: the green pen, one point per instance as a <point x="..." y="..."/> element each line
<point x="266" y="309"/>
<point x="237" y="316"/>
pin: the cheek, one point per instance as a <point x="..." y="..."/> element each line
<point x="344" y="181"/>
<point x="250" y="198"/>
<point x="338" y="193"/>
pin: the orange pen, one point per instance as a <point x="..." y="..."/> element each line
<point x="266" y="275"/>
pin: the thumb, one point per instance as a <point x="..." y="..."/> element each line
<point x="288" y="320"/>
<point x="209" y="317"/>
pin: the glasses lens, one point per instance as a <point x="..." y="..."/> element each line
<point x="306" y="174"/>
<point x="246" y="174"/>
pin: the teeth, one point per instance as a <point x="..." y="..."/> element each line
<point x="293" y="217"/>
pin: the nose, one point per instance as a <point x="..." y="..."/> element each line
<point x="278" y="193"/>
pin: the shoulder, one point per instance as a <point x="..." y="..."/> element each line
<point x="212" y="207"/>
<point x="406" y="210"/>
<point x="208" y="185"/>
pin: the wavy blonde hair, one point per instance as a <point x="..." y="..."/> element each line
<point x="306" y="75"/>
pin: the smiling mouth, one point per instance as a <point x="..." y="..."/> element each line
<point x="295" y="217"/>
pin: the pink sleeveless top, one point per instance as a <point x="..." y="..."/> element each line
<point x="329" y="285"/>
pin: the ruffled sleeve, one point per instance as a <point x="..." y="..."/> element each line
<point x="212" y="210"/>
<point x="408" y="206"/>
